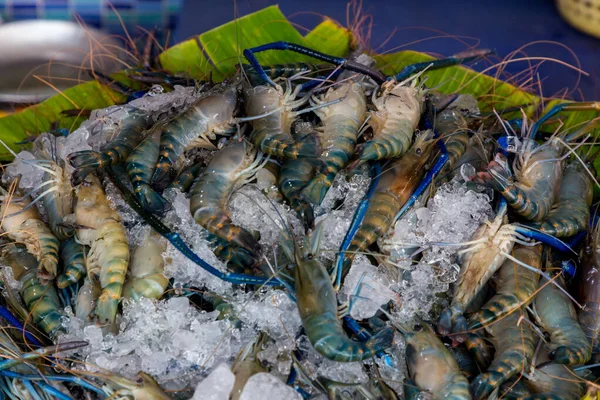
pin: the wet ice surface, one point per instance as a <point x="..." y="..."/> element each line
<point x="185" y="347"/>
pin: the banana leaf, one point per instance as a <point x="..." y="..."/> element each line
<point x="217" y="53"/>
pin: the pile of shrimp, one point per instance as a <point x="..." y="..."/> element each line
<point x="519" y="313"/>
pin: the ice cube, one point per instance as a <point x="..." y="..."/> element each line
<point x="217" y="385"/>
<point x="263" y="385"/>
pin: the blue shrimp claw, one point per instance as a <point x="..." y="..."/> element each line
<point x="296" y="48"/>
<point x="545" y="238"/>
<point x="456" y="59"/>
<point x="591" y="105"/>
<point x="14" y="322"/>
<point x="177" y="241"/>
<point x="357" y="219"/>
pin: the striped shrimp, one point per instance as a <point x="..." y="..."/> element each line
<point x="57" y="194"/>
<point x="23" y="223"/>
<point x="556" y="314"/>
<point x="108" y="257"/>
<point x="228" y="170"/>
<point x="431" y="365"/>
<point x="146" y="270"/>
<point x="554" y="382"/>
<point x="515" y="346"/>
<point x="515" y="286"/>
<point x="338" y="134"/>
<point x="317" y="305"/>
<point x="209" y="116"/>
<point x="490" y="244"/>
<point x="394" y="120"/>
<point x="73" y="256"/>
<point x="131" y="133"/>
<point x="533" y="188"/>
<point x="571" y="210"/>
<point x="393" y="190"/>
<point x="41" y="299"/>
<point x="140" y="167"/>
<point x="271" y="133"/>
<point x="589" y="289"/>
<point x="58" y="199"/>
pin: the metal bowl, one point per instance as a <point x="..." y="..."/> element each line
<point x="57" y="52"/>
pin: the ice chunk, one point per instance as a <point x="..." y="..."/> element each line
<point x="264" y="385"/>
<point x="343" y="372"/>
<point x="217" y="385"/>
<point x="23" y="167"/>
<point x="273" y="313"/>
<point x="366" y="288"/>
<point x="157" y="102"/>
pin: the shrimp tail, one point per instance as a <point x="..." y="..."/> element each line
<point x="163" y="175"/>
<point x="305" y="212"/>
<point x="453" y="323"/>
<point x="497" y="174"/>
<point x="84" y="162"/>
<point x="485" y="383"/>
<point x="72" y="275"/>
<point x="151" y="200"/>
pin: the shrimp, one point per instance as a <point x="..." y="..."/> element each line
<point x="394" y="188"/>
<point x="140" y="167"/>
<point x="73" y="256"/>
<point x="556" y="314"/>
<point x="394" y="120"/>
<point x="210" y="115"/>
<point x="492" y="241"/>
<point x="143" y="388"/>
<point x="554" y="381"/>
<point x="431" y="366"/>
<point x="131" y="133"/>
<point x="515" y="287"/>
<point x="41" y="299"/>
<point x="589" y="289"/>
<point x="271" y="134"/>
<point x="109" y="252"/>
<point x="538" y="174"/>
<point x="227" y="171"/>
<point x="571" y="210"/>
<point x="515" y="346"/>
<point x="146" y="270"/>
<point x="58" y="199"/>
<point x="338" y="134"/>
<point x="23" y="223"/>
<point x="317" y="305"/>
<point x="248" y="364"/>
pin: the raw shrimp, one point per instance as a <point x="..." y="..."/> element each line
<point x="108" y="258"/>
<point x="227" y="171"/>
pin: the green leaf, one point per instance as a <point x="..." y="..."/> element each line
<point x="39" y="118"/>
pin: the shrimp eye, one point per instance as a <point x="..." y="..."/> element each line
<point x="418" y="327"/>
<point x="309" y="256"/>
<point x="418" y="151"/>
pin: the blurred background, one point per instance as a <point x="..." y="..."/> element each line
<point x="505" y="26"/>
